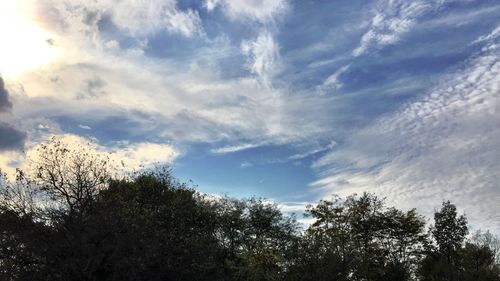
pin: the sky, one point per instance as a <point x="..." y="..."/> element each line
<point x="293" y="101"/>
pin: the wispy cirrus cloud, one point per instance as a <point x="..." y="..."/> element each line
<point x="392" y="19"/>
<point x="333" y="81"/>
<point x="260" y="11"/>
<point x="234" y="148"/>
<point x="263" y="56"/>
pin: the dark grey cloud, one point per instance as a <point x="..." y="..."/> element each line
<point x="92" y="88"/>
<point x="5" y="103"/>
<point x="10" y="137"/>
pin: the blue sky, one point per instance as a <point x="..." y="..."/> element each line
<point x="289" y="100"/>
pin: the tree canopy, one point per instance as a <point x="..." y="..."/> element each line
<point x="70" y="218"/>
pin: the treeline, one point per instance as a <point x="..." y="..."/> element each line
<point x="67" y="218"/>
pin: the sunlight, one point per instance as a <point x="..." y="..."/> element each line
<point x="25" y="45"/>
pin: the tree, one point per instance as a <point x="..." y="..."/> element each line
<point x="487" y="239"/>
<point x="71" y="174"/>
<point x="326" y="250"/>
<point x="450" y="259"/>
<point x="478" y="263"/>
<point x="358" y="238"/>
<point x="69" y="219"/>
<point x="403" y="241"/>
<point x="449" y="229"/>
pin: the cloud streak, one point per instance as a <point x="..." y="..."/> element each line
<point x="392" y="19"/>
<point x="260" y="11"/>
<point x="263" y="56"/>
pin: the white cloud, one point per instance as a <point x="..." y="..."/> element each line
<point x="138" y="17"/>
<point x="94" y="79"/>
<point x="234" y="148"/>
<point x="458" y="19"/>
<point x="9" y="160"/>
<point x="144" y="17"/>
<point x="124" y="156"/>
<point x="299" y="156"/>
<point x="211" y="4"/>
<point x="392" y="19"/>
<point x="85" y="127"/>
<point x="263" y="54"/>
<point x="444" y="146"/>
<point x="262" y="11"/>
<point x="145" y="154"/>
<point x="262" y="51"/>
<point x="332" y="82"/>
<point x="493" y="35"/>
<point x="245" y="164"/>
<point x="293" y="207"/>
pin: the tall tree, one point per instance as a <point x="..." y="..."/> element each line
<point x="449" y="229"/>
<point x="449" y="233"/>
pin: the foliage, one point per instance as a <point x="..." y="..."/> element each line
<point x="68" y="218"/>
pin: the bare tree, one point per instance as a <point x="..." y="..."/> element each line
<point x="18" y="196"/>
<point x="71" y="174"/>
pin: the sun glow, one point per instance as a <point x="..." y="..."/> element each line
<point x="24" y="45"/>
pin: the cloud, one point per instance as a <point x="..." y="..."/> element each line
<point x="9" y="160"/>
<point x="124" y="156"/>
<point x="332" y="82"/>
<point x="137" y="17"/>
<point x="144" y="154"/>
<point x="392" y="19"/>
<point x="263" y="51"/>
<point x="234" y="148"/>
<point x="10" y="137"/>
<point x="5" y="103"/>
<point x="146" y="17"/>
<point x="314" y="151"/>
<point x="245" y="164"/>
<point x="442" y="146"/>
<point x="262" y="11"/>
<point x="85" y="127"/>
<point x="92" y="88"/>
<point x="92" y="83"/>
<point x="263" y="55"/>
<point x="492" y="36"/>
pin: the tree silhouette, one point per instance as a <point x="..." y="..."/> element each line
<point x="70" y="218"/>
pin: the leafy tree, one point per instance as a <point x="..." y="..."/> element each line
<point x="267" y="237"/>
<point x="360" y="239"/>
<point x="68" y="218"/>
<point x="403" y="241"/>
<point x="454" y="258"/>
<point x="449" y="233"/>
<point x="326" y="250"/>
<point x="449" y="230"/>
<point x="478" y="263"/>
